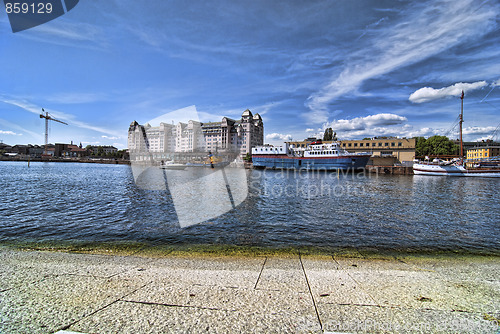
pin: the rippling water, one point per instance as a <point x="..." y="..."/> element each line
<point x="97" y="203"/>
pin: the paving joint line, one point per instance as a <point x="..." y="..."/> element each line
<point x="175" y="305"/>
<point x="100" y="309"/>
<point x="45" y="277"/>
<point x="260" y="274"/>
<point x="310" y="292"/>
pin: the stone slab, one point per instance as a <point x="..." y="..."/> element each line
<point x="125" y="317"/>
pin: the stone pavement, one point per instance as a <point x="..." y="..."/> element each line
<point x="48" y="292"/>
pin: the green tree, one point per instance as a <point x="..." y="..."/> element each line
<point x="328" y="134"/>
<point x="435" y="145"/>
<point x="421" y="148"/>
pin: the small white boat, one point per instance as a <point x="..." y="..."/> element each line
<point x="172" y="165"/>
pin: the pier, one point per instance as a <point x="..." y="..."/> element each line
<point x="390" y="170"/>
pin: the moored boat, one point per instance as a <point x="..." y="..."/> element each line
<point x="453" y="169"/>
<point x="457" y="167"/>
<point x="316" y="156"/>
<point x="172" y="165"/>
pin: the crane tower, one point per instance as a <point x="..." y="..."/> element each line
<point x="48" y="118"/>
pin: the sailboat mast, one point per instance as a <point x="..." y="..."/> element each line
<point x="460" y="123"/>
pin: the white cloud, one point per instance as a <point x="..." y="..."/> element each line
<point x="3" y="132"/>
<point x="424" y="29"/>
<point x="478" y="130"/>
<point x="311" y="130"/>
<point x="496" y="83"/>
<point x="110" y="138"/>
<point x="427" y="94"/>
<point x="363" y="123"/>
<point x="276" y="136"/>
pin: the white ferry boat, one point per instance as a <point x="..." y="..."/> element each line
<point x="316" y="156"/>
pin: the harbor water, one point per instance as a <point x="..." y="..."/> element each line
<point x="102" y="203"/>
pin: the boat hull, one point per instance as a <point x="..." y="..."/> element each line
<point x="283" y="161"/>
<point x="424" y="169"/>
<point x="173" y="166"/>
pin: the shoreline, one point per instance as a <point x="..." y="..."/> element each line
<point x="90" y="161"/>
<point x="238" y="251"/>
<point x="379" y="170"/>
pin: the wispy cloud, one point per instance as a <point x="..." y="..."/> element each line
<point x="76" y="98"/>
<point x="20" y="128"/>
<point x="427" y="94"/>
<point x="424" y="29"/>
<point x="64" y="32"/>
<point x="370" y="27"/>
<point x="60" y="115"/>
<point x="12" y="133"/>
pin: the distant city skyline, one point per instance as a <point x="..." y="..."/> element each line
<point x="364" y="68"/>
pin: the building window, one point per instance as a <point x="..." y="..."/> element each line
<point x="400" y="144"/>
<point x="349" y="144"/>
<point x="379" y="144"/>
<point x="393" y="144"/>
<point x="355" y="144"/>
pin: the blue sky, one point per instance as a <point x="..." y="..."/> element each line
<point x="365" y="68"/>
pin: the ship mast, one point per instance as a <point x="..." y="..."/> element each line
<point x="460" y="124"/>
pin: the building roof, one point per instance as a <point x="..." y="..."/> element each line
<point x="482" y="147"/>
<point x="74" y="148"/>
<point x="247" y="113"/>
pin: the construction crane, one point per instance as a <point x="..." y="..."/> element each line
<point x="47" y="119"/>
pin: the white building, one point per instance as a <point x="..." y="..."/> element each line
<point x="227" y="135"/>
